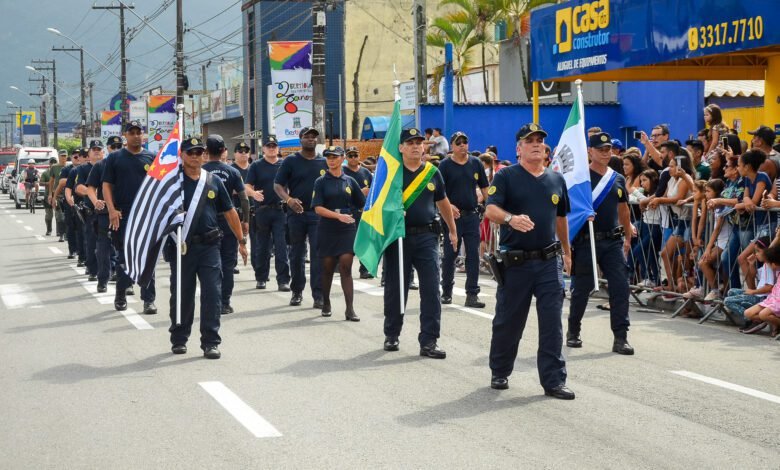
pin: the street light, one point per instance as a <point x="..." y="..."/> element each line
<point x="78" y="46"/>
<point x="33" y="69"/>
<point x="21" y="121"/>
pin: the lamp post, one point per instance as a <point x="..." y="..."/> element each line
<point x="21" y="120"/>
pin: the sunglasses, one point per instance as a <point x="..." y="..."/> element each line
<point x="115" y="146"/>
<point x="242" y="151"/>
<point x="353" y="155"/>
<point x="195" y="152"/>
<point x="461" y="141"/>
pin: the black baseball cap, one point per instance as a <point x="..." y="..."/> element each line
<point x="95" y="143"/>
<point x="306" y="130"/>
<point x="411" y="134"/>
<point x="76" y="152"/>
<point x="352" y="149"/>
<point x="114" y="140"/>
<point x="270" y="139"/>
<point x="134" y="124"/>
<point x="215" y="143"/>
<point x="458" y="134"/>
<point x="764" y="133"/>
<point x="528" y="129"/>
<point x="83" y="152"/>
<point x="600" y="140"/>
<point x="241" y="147"/>
<point x="333" y="152"/>
<point x="195" y="142"/>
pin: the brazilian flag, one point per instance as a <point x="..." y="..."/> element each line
<point x="382" y="222"/>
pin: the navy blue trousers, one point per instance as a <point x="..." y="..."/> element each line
<point x="301" y="226"/>
<point x="468" y="234"/>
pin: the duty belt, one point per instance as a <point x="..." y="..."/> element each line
<point x="468" y="212"/>
<point x="518" y="257"/>
<point x="418" y="229"/>
<point x="277" y="207"/>
<point x="614" y="234"/>
<point x="206" y="238"/>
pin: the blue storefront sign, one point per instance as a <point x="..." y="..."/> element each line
<point x="581" y="37"/>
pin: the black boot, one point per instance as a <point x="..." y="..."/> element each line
<point x="573" y="339"/>
<point x="621" y="345"/>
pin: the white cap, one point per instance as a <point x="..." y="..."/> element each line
<point x="31" y="161"/>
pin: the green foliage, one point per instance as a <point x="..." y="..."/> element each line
<point x="68" y="144"/>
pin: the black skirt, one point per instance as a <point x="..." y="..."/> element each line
<point x="335" y="238"/>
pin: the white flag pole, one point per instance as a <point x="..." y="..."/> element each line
<point x="180" y="241"/>
<point x="397" y="90"/>
<point x="593" y="258"/>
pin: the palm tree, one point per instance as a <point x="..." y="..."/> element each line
<point x="461" y="36"/>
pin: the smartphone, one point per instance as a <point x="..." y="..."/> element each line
<point x="638" y="135"/>
<point x="725" y="142"/>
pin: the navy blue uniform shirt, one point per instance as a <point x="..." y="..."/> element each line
<point x="217" y="201"/>
<point x="341" y="192"/>
<point x="607" y="214"/>
<point x="229" y="176"/>
<point x="65" y="172"/>
<point x="95" y="178"/>
<point x="126" y="172"/>
<point x="542" y="199"/>
<point x="261" y="176"/>
<point x="423" y="210"/>
<point x="82" y="175"/>
<point x="462" y="181"/>
<point x="363" y="177"/>
<point x="71" y="183"/>
<point x="298" y="175"/>
<point x="244" y="173"/>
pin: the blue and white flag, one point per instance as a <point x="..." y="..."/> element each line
<point x="571" y="160"/>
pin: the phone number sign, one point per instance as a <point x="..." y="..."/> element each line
<point x="587" y="36"/>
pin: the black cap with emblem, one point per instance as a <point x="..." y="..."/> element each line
<point x="528" y="130"/>
<point x="241" y="147"/>
<point x="458" y="134"/>
<point x="192" y="143"/>
<point x="134" y="124"/>
<point x="352" y="150"/>
<point x="600" y="140"/>
<point x="308" y="130"/>
<point x="114" y="141"/>
<point x="333" y="152"/>
<point x="270" y="140"/>
<point x="83" y="152"/>
<point x="411" y="134"/>
<point x="95" y="144"/>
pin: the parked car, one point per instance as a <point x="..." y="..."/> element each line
<point x="5" y="180"/>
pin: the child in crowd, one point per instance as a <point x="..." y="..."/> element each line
<point x="768" y="311"/>
<point x="710" y="259"/>
<point x="739" y="300"/>
<point x="645" y="253"/>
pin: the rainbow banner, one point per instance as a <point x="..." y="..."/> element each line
<point x="161" y="119"/>
<point x="110" y="124"/>
<point x="291" y="89"/>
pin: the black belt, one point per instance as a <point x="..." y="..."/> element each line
<point x="277" y="207"/>
<point x="418" y="229"/>
<point x="615" y="234"/>
<point x="207" y="238"/>
<point x="518" y="257"/>
<point x="468" y="212"/>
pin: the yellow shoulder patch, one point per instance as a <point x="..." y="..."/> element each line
<point x="555" y="199"/>
<point x="146" y="167"/>
<point x="431" y="187"/>
<point x="492" y="190"/>
<point x="476" y="176"/>
<point x="620" y="193"/>
<point x="212" y="194"/>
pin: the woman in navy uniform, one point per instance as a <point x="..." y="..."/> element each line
<point x="202" y="259"/>
<point x="337" y="199"/>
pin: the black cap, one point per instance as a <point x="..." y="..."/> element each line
<point x="95" y="143"/>
<point x="411" y="134"/>
<point x="114" y="140"/>
<point x="241" y="147"/>
<point x="190" y="143"/>
<point x="529" y="129"/>
<point x="600" y="140"/>
<point x="83" y="152"/>
<point x="76" y="152"/>
<point x="333" y="151"/>
<point x="458" y="134"/>
<point x="764" y="133"/>
<point x="270" y="139"/>
<point x="306" y="130"/>
<point x="215" y="143"/>
<point x="134" y="124"/>
<point x="352" y="149"/>
<point x="695" y="143"/>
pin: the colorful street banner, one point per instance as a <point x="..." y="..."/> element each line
<point x="110" y="124"/>
<point x="29" y="118"/>
<point x="292" y="89"/>
<point x="161" y="119"/>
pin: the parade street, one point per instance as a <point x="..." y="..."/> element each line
<point x="85" y="386"/>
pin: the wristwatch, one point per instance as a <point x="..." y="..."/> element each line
<point x="508" y="218"/>
<point x="242" y="241"/>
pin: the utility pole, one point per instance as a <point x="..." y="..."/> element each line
<point x="44" y="121"/>
<point x="83" y="91"/>
<point x="204" y="95"/>
<point x="122" y="58"/>
<point x="318" y="67"/>
<point x="180" y="54"/>
<point x="91" y="109"/>
<point x="53" y="70"/>
<point x="5" y="123"/>
<point x="420" y="56"/>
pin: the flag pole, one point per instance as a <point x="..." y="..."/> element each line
<point x="578" y="82"/>
<point x="397" y="96"/>
<point x="180" y="109"/>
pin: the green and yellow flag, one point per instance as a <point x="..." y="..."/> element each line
<point x="382" y="222"/>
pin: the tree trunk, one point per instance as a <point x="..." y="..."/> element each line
<point x="523" y="76"/>
<point x="356" y="94"/>
<point x="484" y="75"/>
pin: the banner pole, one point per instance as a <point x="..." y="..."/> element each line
<point x="178" y="276"/>
<point x="401" y="274"/>
<point x="593" y="258"/>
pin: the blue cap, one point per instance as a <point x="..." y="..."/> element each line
<point x="616" y="143"/>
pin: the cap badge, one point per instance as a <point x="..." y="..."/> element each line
<point x="412" y="131"/>
<point x="194" y="141"/>
<point x="533" y="127"/>
<point x="604" y="138"/>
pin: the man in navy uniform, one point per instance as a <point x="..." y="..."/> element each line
<point x="530" y="202"/>
<point x="426" y="193"/>
<point x="201" y="259"/>
<point x="103" y="250"/>
<point x="241" y="164"/>
<point x="270" y="217"/>
<point x="364" y="179"/>
<point x="231" y="179"/>
<point x="294" y="185"/>
<point x="612" y="229"/>
<point x="72" y="199"/>
<point x="59" y="199"/>
<point x="123" y="175"/>
<point x="88" y="208"/>
<point x="463" y="175"/>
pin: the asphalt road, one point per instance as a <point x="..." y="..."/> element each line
<point x="84" y="386"/>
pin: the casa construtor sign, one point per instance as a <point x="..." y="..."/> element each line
<point x="582" y="37"/>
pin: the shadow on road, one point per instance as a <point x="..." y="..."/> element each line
<point x="370" y="360"/>
<point x="74" y="373"/>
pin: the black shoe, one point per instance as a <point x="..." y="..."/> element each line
<point x="351" y="316"/>
<point x="326" y="311"/>
<point x="621" y="346"/>
<point x="319" y="304"/>
<point x="573" y="340"/>
<point x="499" y="383"/>
<point x="227" y="310"/>
<point x="80" y="264"/>
<point x="413" y="286"/>
<point x="366" y="276"/>
<point x="432" y="350"/>
<point x="150" y="308"/>
<point x="129" y="291"/>
<point x="472" y="300"/>
<point x="284" y="287"/>
<point x="211" y="352"/>
<point x="296" y="300"/>
<point x="391" y="343"/>
<point x="61" y="239"/>
<point x="446" y="299"/>
<point x="560" y="392"/>
<point x="101" y="288"/>
<point x="236" y="271"/>
<point x="48" y="234"/>
<point x="92" y="278"/>
<point x="260" y="285"/>
<point x="112" y="278"/>
<point x="179" y="349"/>
<point x="120" y="303"/>
<point x="71" y="256"/>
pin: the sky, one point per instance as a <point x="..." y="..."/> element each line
<point x="215" y="35"/>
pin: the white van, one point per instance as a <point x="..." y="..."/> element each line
<point x="41" y="155"/>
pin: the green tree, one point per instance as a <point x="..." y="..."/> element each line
<point x="461" y="35"/>
<point x="68" y="144"/>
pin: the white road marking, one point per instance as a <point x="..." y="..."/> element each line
<point x="40" y="238"/>
<point x="55" y="250"/>
<point x="19" y="296"/>
<point x="470" y="310"/>
<point x="135" y="319"/>
<point x="728" y="385"/>
<point x="19" y="221"/>
<point x="369" y="289"/>
<point x="28" y="228"/>
<point x="13" y="216"/>
<point x="488" y="283"/>
<point x="243" y="413"/>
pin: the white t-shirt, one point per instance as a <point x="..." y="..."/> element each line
<point x="440" y="146"/>
<point x="766" y="277"/>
